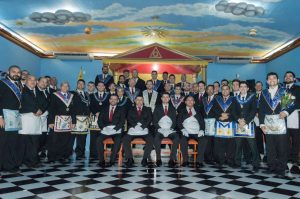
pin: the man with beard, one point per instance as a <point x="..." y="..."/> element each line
<point x="31" y="112"/>
<point x="10" y="121"/>
<point x="293" y="128"/>
<point x="24" y="75"/>
<point x="157" y="84"/>
<point x="151" y="97"/>
<point x="106" y="78"/>
<point x="44" y="99"/>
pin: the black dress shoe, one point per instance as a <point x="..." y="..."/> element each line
<point x="185" y="164"/>
<point x="129" y="163"/>
<point x="172" y="163"/>
<point x="158" y="163"/>
<point x="295" y="169"/>
<point x="144" y="162"/>
<point x="255" y="169"/>
<point x="102" y="164"/>
<point x="280" y="174"/>
<point x="199" y="165"/>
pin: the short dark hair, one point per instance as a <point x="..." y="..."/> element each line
<point x="149" y="81"/>
<point x="121" y="76"/>
<point x="171" y="75"/>
<point x="100" y="82"/>
<point x="47" y="76"/>
<point x="189" y="96"/>
<point x="154" y="71"/>
<point x="272" y="74"/>
<point x="201" y="82"/>
<point x="259" y="82"/>
<point x="209" y="85"/>
<point x="224" y="80"/>
<point x="14" y="66"/>
<point x="216" y="82"/>
<point x="290" y="72"/>
<point x="126" y="70"/>
<point x="81" y="80"/>
<point x="91" y="82"/>
<point x="165" y="93"/>
<point x="114" y="95"/>
<point x="225" y="86"/>
<point x="165" y="72"/>
<point x="244" y="82"/>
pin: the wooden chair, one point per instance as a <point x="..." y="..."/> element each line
<point x="194" y="152"/>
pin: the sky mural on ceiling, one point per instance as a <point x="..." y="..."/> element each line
<point x="200" y="28"/>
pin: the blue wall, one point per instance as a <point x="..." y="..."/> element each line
<point x="288" y="61"/>
<point x="217" y="72"/>
<point x="68" y="70"/>
<point x="11" y="54"/>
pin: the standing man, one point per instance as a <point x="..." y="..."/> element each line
<point x="157" y="84"/>
<point x="139" y="83"/>
<point x="190" y="122"/>
<point x="82" y="112"/>
<point x="224" y="109"/>
<point x="183" y="81"/>
<point x="177" y="100"/>
<point x="10" y="121"/>
<point x="62" y="120"/>
<point x="91" y="87"/>
<point x="217" y="88"/>
<point x="106" y="78"/>
<point x="200" y="95"/>
<point x="139" y="118"/>
<point x="246" y="111"/>
<point x="111" y="122"/>
<point x="24" y="75"/>
<point x="293" y="128"/>
<point x="31" y="111"/>
<point x="272" y="114"/>
<point x="151" y="97"/>
<point x="132" y="91"/>
<point x="164" y="121"/>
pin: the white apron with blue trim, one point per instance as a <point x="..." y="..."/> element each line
<point x="210" y="126"/>
<point x="12" y="120"/>
<point x="246" y="131"/>
<point x="225" y="129"/>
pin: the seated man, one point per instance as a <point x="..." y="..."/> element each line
<point x="139" y="119"/>
<point x="164" y="121"/>
<point x="111" y="121"/>
<point x="191" y="124"/>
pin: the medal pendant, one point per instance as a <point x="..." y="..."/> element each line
<point x="67" y="109"/>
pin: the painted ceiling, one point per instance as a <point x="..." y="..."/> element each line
<point x="200" y="28"/>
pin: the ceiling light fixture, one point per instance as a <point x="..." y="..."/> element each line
<point x="154" y="31"/>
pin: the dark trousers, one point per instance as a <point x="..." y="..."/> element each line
<point x="259" y="137"/>
<point x="80" y="144"/>
<point x="209" y="149"/>
<point x="93" y="143"/>
<point x="60" y="146"/>
<point x="294" y="144"/>
<point x="224" y="149"/>
<point x="200" y="147"/>
<point x="31" y="146"/>
<point x="11" y="150"/>
<point x="157" y="144"/>
<point x="115" y="149"/>
<point x="127" y="145"/>
<point x="277" y="153"/>
<point x="43" y="142"/>
<point x="252" y="149"/>
<point x="246" y="151"/>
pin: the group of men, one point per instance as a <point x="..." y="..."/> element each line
<point x="229" y="124"/>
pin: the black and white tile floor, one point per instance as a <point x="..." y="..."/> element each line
<point x="84" y="179"/>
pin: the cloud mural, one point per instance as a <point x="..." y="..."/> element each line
<point x="60" y="17"/>
<point x="242" y="8"/>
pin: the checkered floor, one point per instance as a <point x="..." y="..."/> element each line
<point x="83" y="179"/>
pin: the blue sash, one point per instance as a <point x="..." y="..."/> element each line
<point x="224" y="105"/>
<point x="273" y="103"/>
<point x="100" y="100"/>
<point x="13" y="88"/>
<point x="66" y="100"/>
<point x="207" y="106"/>
<point x="130" y="96"/>
<point x="124" y="102"/>
<point x="225" y="129"/>
<point x="85" y="100"/>
<point x="241" y="102"/>
<point x="105" y="81"/>
<point x="176" y="102"/>
<point x="156" y="86"/>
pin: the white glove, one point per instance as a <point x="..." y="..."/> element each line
<point x="185" y="132"/>
<point x="201" y="133"/>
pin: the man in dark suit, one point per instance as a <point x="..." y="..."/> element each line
<point x="121" y="82"/>
<point x="217" y="88"/>
<point x="82" y="103"/>
<point x="158" y="86"/>
<point x="164" y="121"/>
<point x="139" y="83"/>
<point x="123" y="100"/>
<point x="165" y="77"/>
<point x="191" y="124"/>
<point x="200" y="95"/>
<point x="139" y="118"/>
<point x="10" y="100"/>
<point x="50" y="88"/>
<point x="277" y="142"/>
<point x="98" y="101"/>
<point x="246" y="111"/>
<point x="183" y="81"/>
<point x="126" y="76"/>
<point x="44" y="99"/>
<point x="293" y="125"/>
<point x="30" y="111"/>
<point x="132" y="91"/>
<point x="111" y="122"/>
<point x="106" y="78"/>
<point x="224" y="109"/>
<point x="177" y="100"/>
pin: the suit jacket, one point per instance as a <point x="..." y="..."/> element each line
<point x="180" y="106"/>
<point x="125" y="104"/>
<point x="183" y="115"/>
<point x="295" y="91"/>
<point x="159" y="112"/>
<point x="247" y="110"/>
<point x="130" y="97"/>
<point x="145" y="118"/>
<point x="198" y="101"/>
<point x="82" y="104"/>
<point x="231" y="109"/>
<point x="29" y="101"/>
<point x="96" y="105"/>
<point x="140" y="84"/>
<point x="207" y="108"/>
<point x="118" y="119"/>
<point x="107" y="81"/>
<point x="58" y="107"/>
<point x="264" y="106"/>
<point x="159" y="86"/>
<point x="8" y="99"/>
<point x="43" y="98"/>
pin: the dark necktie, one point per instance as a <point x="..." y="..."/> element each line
<point x="166" y="110"/>
<point x="139" y="111"/>
<point x="190" y="112"/>
<point x="111" y="114"/>
<point x="243" y="98"/>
